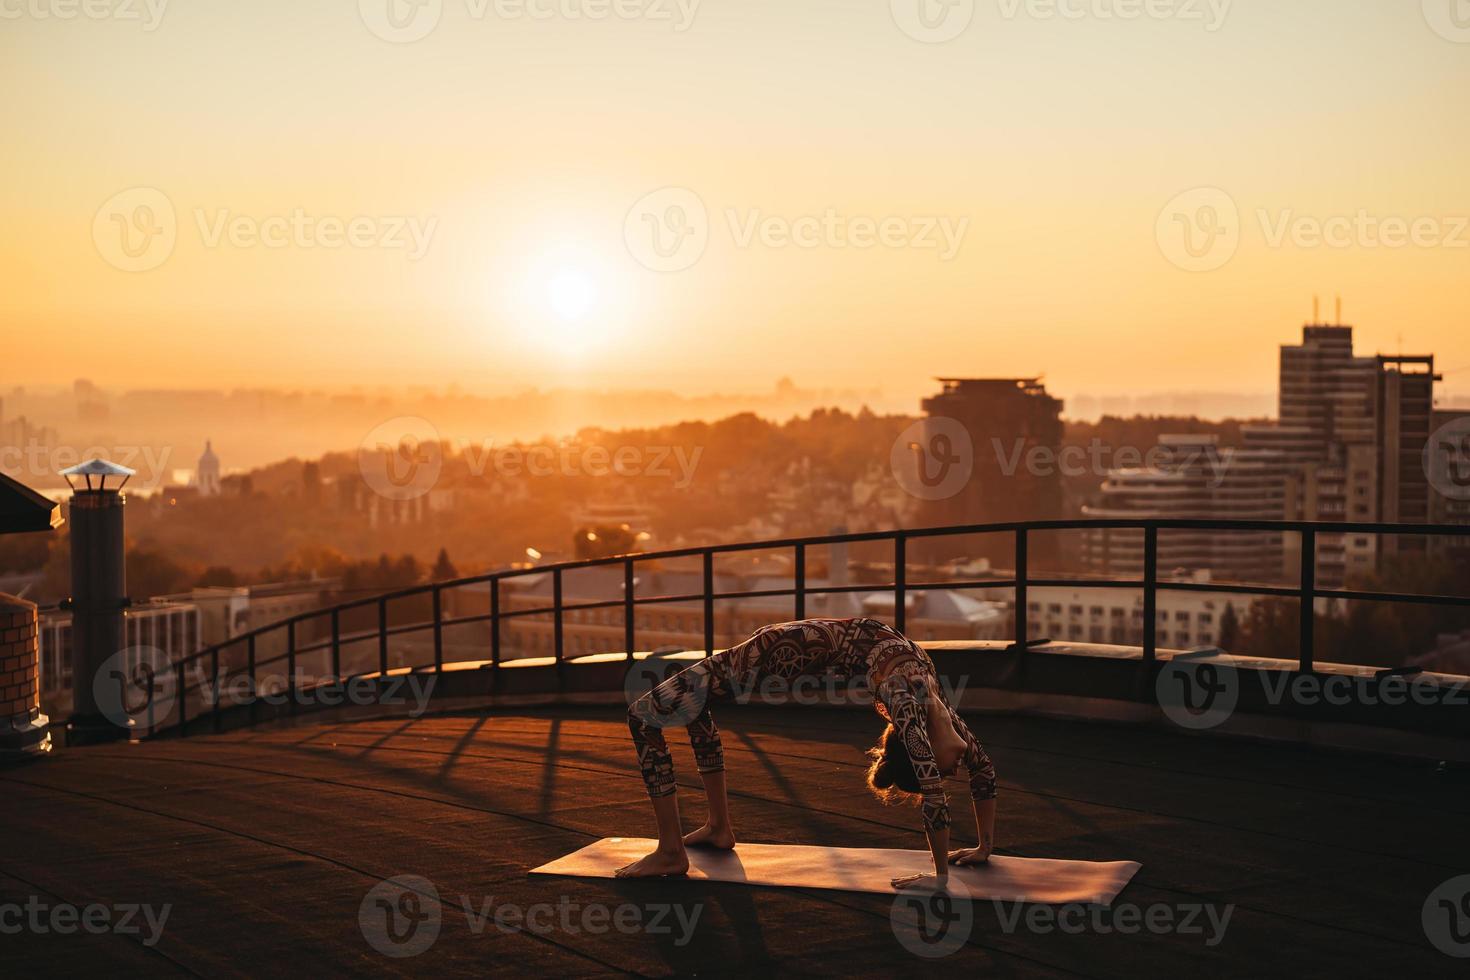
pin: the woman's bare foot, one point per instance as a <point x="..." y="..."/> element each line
<point x="657" y="864"/>
<point x="719" y="838"/>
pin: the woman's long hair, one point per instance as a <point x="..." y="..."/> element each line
<point x="891" y="775"/>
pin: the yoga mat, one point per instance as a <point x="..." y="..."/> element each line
<point x="862" y="869"/>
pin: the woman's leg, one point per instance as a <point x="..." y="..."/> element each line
<point x="680" y="700"/>
<point x="709" y="757"/>
<point x="658" y="775"/>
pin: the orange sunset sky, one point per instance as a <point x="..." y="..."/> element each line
<point x="520" y="140"/>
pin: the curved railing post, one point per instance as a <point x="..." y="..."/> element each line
<point x="800" y="581"/>
<point x="438" y="630"/>
<point x="1150" y="594"/>
<point x="709" y="602"/>
<point x="556" y="625"/>
<point x="336" y="644"/>
<point x="215" y="688"/>
<point x="495" y="621"/>
<point x="382" y="639"/>
<point x="1308" y="584"/>
<point x="629" y="611"/>
<point x="1023" y="626"/>
<point x="900" y="581"/>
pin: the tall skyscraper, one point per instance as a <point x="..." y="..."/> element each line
<point x="1405" y="401"/>
<point x="1326" y="391"/>
<point x="1365" y="422"/>
<point x="1349" y="446"/>
<point x="1007" y="420"/>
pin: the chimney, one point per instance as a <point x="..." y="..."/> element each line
<point x="98" y="592"/>
<point x="24" y="731"/>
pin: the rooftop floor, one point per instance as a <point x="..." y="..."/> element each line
<point x="266" y="843"/>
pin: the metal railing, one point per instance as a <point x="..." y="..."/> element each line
<point x="1306" y="592"/>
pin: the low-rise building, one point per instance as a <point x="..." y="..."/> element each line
<point x="1092" y="614"/>
<point x="227" y="611"/>
<point x="167" y="625"/>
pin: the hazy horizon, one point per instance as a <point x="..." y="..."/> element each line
<point x="161" y="432"/>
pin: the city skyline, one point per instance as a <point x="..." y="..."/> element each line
<point x="42" y="429"/>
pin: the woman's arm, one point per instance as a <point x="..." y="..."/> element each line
<point x="984" y="831"/>
<point x="985" y="824"/>
<point x="982" y="794"/>
<point x="908" y="718"/>
<point x="939" y="847"/>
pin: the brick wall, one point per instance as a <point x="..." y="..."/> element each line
<point x="21" y="726"/>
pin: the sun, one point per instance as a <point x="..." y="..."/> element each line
<point x="570" y="294"/>
<point x="565" y="297"/>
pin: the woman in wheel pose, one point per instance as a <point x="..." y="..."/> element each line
<point x="924" y="742"/>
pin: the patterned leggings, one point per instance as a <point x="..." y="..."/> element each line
<point x="842" y="648"/>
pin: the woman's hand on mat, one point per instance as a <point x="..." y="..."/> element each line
<point x="923" y="882"/>
<point x="969" y="856"/>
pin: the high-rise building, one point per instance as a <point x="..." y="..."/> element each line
<point x="1338" y="400"/>
<point x="1327" y="391"/>
<point x="1008" y="421"/>
<point x="1367" y="420"/>
<point x="1349" y="446"/>
<point x="1405" y="411"/>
